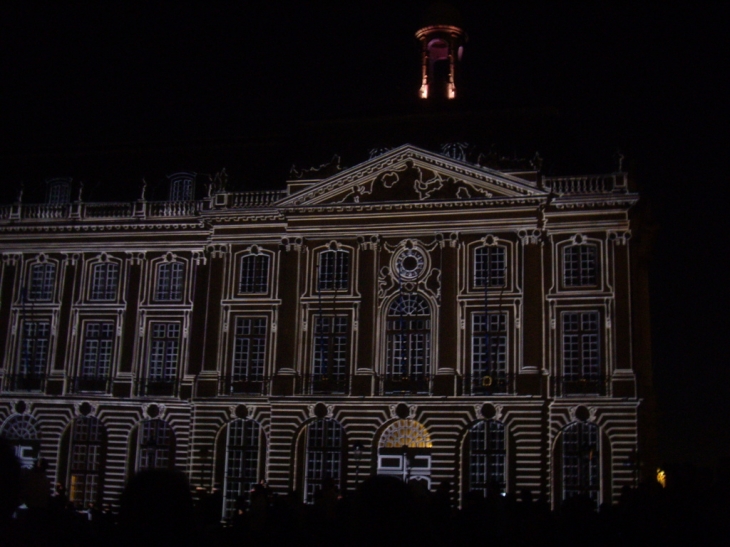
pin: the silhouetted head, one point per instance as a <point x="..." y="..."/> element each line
<point x="156" y="507"/>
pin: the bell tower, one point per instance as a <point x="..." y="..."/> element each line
<point x="442" y="44"/>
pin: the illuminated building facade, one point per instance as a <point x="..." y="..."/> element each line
<point x="416" y="315"/>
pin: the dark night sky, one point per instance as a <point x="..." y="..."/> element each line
<point x="645" y="79"/>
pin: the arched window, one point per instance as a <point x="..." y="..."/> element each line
<point x="20" y="431"/>
<point x="254" y="277"/>
<point x="404" y="451"/>
<point x="486" y="456"/>
<point x="490" y="266"/>
<point x="155" y="445"/>
<point x="104" y="281"/>
<point x="580" y="265"/>
<point x="59" y="191"/>
<point x="86" y="461"/>
<point x="244" y="461"/>
<point x="581" y="463"/>
<point x="408" y="345"/>
<point x="169" y="285"/>
<point x="182" y="186"/>
<point x="333" y="270"/>
<point x="323" y="458"/>
<point x="42" y="281"/>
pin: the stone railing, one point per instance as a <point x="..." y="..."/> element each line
<point x="46" y="211"/>
<point x="108" y="210"/>
<point x="590" y="184"/>
<point x="254" y="199"/>
<point x="173" y="208"/>
<point x="139" y="209"/>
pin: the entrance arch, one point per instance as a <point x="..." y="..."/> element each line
<point x="404" y="451"/>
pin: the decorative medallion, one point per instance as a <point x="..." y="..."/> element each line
<point x="410" y="264"/>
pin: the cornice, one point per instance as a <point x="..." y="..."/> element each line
<point x="20" y="228"/>
<point x="535" y="201"/>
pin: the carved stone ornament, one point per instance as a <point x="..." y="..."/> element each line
<point x="153" y="410"/>
<point x="85" y="408"/>
<point x="135" y="257"/>
<point x="292" y="244"/>
<point x="619" y="238"/>
<point x="11" y="259"/>
<point x="529" y="237"/>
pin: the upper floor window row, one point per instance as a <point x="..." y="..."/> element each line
<point x="580" y="265"/>
<point x="333" y="270"/>
<point x="490" y="266"/>
<point x="254" y="276"/>
<point x="42" y="281"/>
<point x="104" y="281"/>
<point x="170" y="281"/>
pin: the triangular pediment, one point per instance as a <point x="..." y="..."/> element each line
<point x="411" y="174"/>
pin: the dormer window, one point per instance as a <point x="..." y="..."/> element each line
<point x="182" y="186"/>
<point x="58" y="190"/>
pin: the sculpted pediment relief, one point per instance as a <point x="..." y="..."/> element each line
<point x="410" y="174"/>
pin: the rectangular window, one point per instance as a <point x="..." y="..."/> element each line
<point x="104" y="281"/>
<point x="249" y="350"/>
<point x="164" y="352"/>
<point x="490" y="266"/>
<point x="579" y="265"/>
<point x="34" y="349"/>
<point x="254" y="274"/>
<point x="169" y="282"/>
<point x="155" y="445"/>
<point x="42" y="279"/>
<point x="97" y="356"/>
<point x="334" y="270"/>
<point x="331" y="353"/>
<point x="489" y="353"/>
<point x="581" y="352"/>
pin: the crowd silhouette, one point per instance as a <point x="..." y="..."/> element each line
<point x="158" y="508"/>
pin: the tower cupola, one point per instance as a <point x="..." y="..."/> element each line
<point x="442" y="44"/>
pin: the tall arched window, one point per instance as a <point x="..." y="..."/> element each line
<point x="244" y="461"/>
<point x="408" y="345"/>
<point x="155" y="445"/>
<point x="86" y="462"/>
<point x="324" y="456"/>
<point x="486" y="456"/>
<point x="581" y="463"/>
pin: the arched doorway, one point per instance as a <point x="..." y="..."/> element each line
<point x="21" y="432"/>
<point x="404" y="451"/>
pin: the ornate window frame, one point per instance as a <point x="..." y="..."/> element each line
<point x="253" y="279"/>
<point x="100" y="288"/>
<point x="169" y="283"/>
<point x="590" y="256"/>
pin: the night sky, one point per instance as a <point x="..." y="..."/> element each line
<point x="87" y="86"/>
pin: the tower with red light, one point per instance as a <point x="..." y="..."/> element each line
<point x="442" y="44"/>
